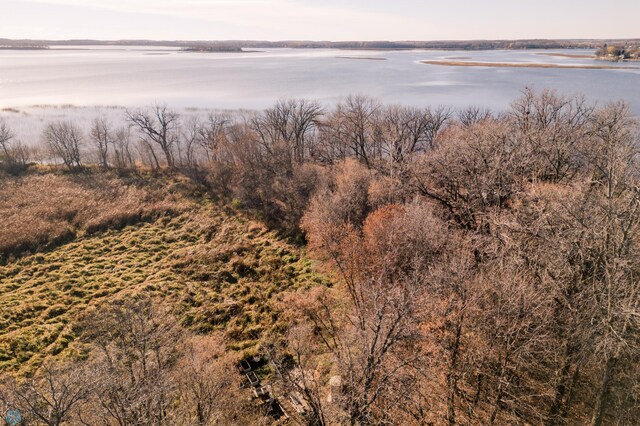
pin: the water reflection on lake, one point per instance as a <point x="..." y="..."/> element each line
<point x="138" y="76"/>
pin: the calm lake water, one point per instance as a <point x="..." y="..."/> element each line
<point x="138" y="76"/>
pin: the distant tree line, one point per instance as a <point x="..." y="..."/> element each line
<point x="235" y="45"/>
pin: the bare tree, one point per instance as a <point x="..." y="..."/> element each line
<point x="300" y="375"/>
<point x="406" y="131"/>
<point x="514" y="327"/>
<point x="552" y="128"/>
<point x="615" y="158"/>
<point x="102" y="138"/>
<point x="189" y="142"/>
<point x="159" y="126"/>
<point x="137" y="344"/>
<point x="578" y="242"/>
<point x="473" y="115"/>
<point x="54" y="395"/>
<point x="209" y="390"/>
<point x="13" y="153"/>
<point x="354" y="124"/>
<point x="64" y="140"/>
<point x="287" y="129"/>
<point x="472" y="172"/>
<point x="213" y="136"/>
<point x="6" y="135"/>
<point x="376" y="340"/>
<point x="123" y="157"/>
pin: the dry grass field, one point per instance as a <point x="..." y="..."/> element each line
<point x="218" y="269"/>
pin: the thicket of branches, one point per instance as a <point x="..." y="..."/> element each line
<point x="141" y="368"/>
<point x="487" y="264"/>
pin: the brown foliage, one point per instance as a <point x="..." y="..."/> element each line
<point x="486" y="266"/>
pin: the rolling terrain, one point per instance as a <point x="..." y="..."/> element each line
<point x="215" y="267"/>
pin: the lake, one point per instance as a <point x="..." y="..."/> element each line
<point x="138" y="76"/>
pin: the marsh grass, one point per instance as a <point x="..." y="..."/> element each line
<point x="218" y="271"/>
<point x="43" y="209"/>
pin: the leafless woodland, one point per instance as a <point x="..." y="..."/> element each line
<point x="485" y="265"/>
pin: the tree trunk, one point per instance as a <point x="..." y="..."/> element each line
<point x="169" y="157"/>
<point x="570" y="393"/>
<point x="603" y="396"/>
<point x="452" y="380"/>
<point x="500" y="391"/>
<point x="558" y="406"/>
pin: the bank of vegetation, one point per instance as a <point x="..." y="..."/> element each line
<point x="619" y="52"/>
<point x="470" y="267"/>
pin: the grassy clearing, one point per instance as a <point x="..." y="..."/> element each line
<point x="218" y="269"/>
<point x="44" y="209"/>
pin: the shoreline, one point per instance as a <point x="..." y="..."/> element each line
<point x="368" y="58"/>
<point x="567" y="55"/>
<point x="523" y="65"/>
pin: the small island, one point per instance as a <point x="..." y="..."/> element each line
<point x="212" y="48"/>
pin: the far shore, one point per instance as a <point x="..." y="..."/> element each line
<point x="369" y="58"/>
<point x="523" y="65"/>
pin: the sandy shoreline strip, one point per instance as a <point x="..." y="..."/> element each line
<point x="368" y="58"/>
<point x="568" y="55"/>
<point x="523" y="65"/>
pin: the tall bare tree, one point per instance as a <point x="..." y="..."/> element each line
<point x="102" y="138"/>
<point x="6" y="135"/>
<point x="473" y="115"/>
<point x="406" y="131"/>
<point x="54" y="395"/>
<point x="287" y="128"/>
<point x="189" y="143"/>
<point x="552" y="128"/>
<point x="64" y="140"/>
<point x="122" y="151"/>
<point x="354" y="124"/>
<point x="137" y="344"/>
<point x="159" y="126"/>
<point x="213" y="136"/>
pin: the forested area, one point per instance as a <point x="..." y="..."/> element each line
<point x="484" y="266"/>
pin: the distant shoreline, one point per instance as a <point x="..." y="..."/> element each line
<point x="568" y="55"/>
<point x="24" y="47"/>
<point x="516" y="65"/>
<point x="471" y="45"/>
<point x="369" y="58"/>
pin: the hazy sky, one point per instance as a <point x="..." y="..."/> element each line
<point x="319" y="19"/>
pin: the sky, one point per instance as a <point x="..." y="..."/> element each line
<point x="318" y="19"/>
